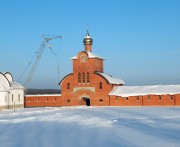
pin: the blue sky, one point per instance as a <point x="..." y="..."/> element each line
<point x="140" y="39"/>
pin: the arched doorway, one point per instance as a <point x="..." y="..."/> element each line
<point x="85" y="101"/>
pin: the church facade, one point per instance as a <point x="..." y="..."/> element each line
<point x="89" y="85"/>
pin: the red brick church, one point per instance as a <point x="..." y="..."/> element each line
<point x="89" y="85"/>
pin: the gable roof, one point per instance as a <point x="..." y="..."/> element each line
<point x="110" y="79"/>
<point x="126" y="91"/>
<point x="90" y="55"/>
<point x="15" y="85"/>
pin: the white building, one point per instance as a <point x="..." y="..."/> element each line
<point x="11" y="92"/>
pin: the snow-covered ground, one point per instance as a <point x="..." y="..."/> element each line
<point x="91" y="127"/>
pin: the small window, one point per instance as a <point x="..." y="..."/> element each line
<point x="88" y="77"/>
<point x="79" y="77"/>
<point x="38" y="99"/>
<point x="12" y="97"/>
<point x="170" y="97"/>
<point x="117" y="98"/>
<point x="19" y="97"/>
<point x="101" y="100"/>
<point x="68" y="86"/>
<point x="127" y="98"/>
<point x="137" y="98"/>
<point x="68" y="100"/>
<point x="6" y="99"/>
<point x="55" y="99"/>
<point x="160" y="98"/>
<point x="83" y="77"/>
<point x="148" y="98"/>
<point x="46" y="99"/>
<point x="100" y="85"/>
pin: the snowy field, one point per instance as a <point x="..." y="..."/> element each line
<point x="91" y="127"/>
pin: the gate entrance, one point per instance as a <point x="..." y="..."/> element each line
<point x="85" y="101"/>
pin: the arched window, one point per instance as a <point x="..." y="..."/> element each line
<point x="137" y="98"/>
<point x="68" y="86"/>
<point x="18" y="97"/>
<point x="88" y="77"/>
<point x="171" y="97"/>
<point x="83" y="77"/>
<point x="12" y="97"/>
<point x="117" y="98"/>
<point x="100" y="85"/>
<point x="79" y="77"/>
<point x="5" y="98"/>
<point x="160" y="98"/>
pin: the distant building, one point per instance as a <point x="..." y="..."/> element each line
<point x="11" y="92"/>
<point x="89" y="85"/>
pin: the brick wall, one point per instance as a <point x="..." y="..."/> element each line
<point x="147" y="100"/>
<point x="177" y="99"/>
<point x="73" y="95"/>
<point x="43" y="101"/>
<point x="126" y="101"/>
<point x="77" y="93"/>
<point x="100" y="99"/>
<point x="158" y="100"/>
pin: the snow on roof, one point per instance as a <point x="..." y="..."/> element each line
<point x="74" y="57"/>
<point x="6" y="81"/>
<point x="90" y="55"/>
<point x="87" y="36"/>
<point x="15" y="85"/>
<point x="125" y="91"/>
<point x="112" y="80"/>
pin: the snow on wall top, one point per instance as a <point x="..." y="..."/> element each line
<point x="90" y="55"/>
<point x="41" y="95"/>
<point x="126" y="91"/>
<point x="112" y="80"/>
